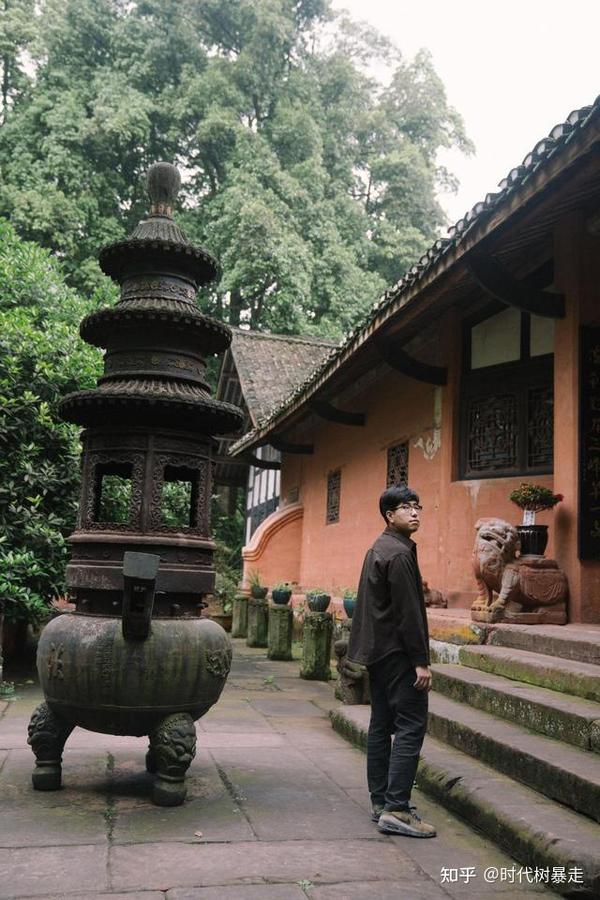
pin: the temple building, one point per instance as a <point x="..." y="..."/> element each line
<point x="477" y="371"/>
<point x="257" y="372"/>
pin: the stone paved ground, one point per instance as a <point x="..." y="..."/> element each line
<point x="277" y="809"/>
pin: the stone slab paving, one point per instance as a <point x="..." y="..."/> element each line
<point x="277" y="809"/>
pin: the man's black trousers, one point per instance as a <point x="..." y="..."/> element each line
<point x="397" y="709"/>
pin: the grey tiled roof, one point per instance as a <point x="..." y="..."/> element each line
<point x="544" y="151"/>
<point x="270" y="366"/>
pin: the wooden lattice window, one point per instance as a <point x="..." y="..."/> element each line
<point x="540" y="423"/>
<point x="507" y="409"/>
<point x="397" y="464"/>
<point x="334" y="484"/>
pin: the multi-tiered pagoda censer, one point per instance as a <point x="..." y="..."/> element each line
<point x="136" y="657"/>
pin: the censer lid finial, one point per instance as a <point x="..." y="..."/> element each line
<point x="162" y="183"/>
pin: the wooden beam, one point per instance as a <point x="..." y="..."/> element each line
<point x="259" y="463"/>
<point x="219" y="459"/>
<point x="332" y="414"/>
<point x="414" y="368"/>
<point x="497" y="281"/>
<point x="286" y="447"/>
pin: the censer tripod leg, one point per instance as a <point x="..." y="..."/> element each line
<point x="172" y="749"/>
<point x="47" y="734"/>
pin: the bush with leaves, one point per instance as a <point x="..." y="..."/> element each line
<point x="41" y="359"/>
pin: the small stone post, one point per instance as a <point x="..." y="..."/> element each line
<point x="239" y="626"/>
<point x="281" y="619"/>
<point x="316" y="653"/>
<point x="258" y="623"/>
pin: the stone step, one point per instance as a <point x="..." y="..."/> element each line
<point x="532" y="829"/>
<point x="561" y="772"/>
<point x="556" y="715"/>
<point x="580" y="643"/>
<point x="568" y="676"/>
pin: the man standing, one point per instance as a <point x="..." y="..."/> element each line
<point x="390" y="637"/>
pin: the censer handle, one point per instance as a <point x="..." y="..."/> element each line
<point x="139" y="576"/>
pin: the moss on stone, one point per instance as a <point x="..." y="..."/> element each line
<point x="548" y="676"/>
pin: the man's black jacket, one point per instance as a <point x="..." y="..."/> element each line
<point x="390" y="608"/>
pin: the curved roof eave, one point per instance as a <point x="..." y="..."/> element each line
<point x="550" y="157"/>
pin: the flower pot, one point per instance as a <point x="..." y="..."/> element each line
<point x="534" y="539"/>
<point x="281" y="596"/>
<point x="225" y="620"/>
<point x="318" y="602"/>
<point x="259" y="592"/>
<point x="349" y="606"/>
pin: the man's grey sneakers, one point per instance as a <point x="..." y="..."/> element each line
<point x="404" y="821"/>
<point x="376" y="812"/>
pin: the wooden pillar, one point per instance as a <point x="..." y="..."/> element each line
<point x="451" y="353"/>
<point x="577" y="276"/>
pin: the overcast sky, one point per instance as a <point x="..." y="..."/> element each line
<point x="513" y="69"/>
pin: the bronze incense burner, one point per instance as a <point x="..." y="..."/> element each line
<point x="136" y="657"/>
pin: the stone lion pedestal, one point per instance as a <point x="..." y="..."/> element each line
<point x="515" y="590"/>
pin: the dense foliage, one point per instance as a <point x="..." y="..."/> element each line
<point x="313" y="182"/>
<point x="41" y="358"/>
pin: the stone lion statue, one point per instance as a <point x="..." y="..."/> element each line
<point x="511" y="588"/>
<point x="353" y="682"/>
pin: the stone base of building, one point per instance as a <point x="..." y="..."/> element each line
<point x="543" y="615"/>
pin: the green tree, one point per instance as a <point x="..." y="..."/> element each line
<point x="313" y="181"/>
<point x="17" y="31"/>
<point x="41" y="358"/>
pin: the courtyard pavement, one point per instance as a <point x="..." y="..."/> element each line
<point x="277" y="809"/>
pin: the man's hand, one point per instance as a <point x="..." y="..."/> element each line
<point x="423" y="682"/>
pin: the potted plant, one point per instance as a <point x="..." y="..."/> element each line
<point x="317" y="600"/>
<point x="349" y="600"/>
<point x="532" y="498"/>
<point x="281" y="592"/>
<point x="257" y="590"/>
<point x="221" y="609"/>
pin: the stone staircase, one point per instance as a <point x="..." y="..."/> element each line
<point x="514" y="744"/>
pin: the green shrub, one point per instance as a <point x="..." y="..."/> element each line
<point x="41" y="359"/>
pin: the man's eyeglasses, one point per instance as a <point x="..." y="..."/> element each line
<point x="405" y="507"/>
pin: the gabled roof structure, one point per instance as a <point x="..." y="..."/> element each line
<point x="270" y="366"/>
<point x="258" y="372"/>
<point x="513" y="222"/>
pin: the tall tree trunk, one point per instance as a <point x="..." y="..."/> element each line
<point x="235" y="308"/>
<point x="4" y="105"/>
<point x="232" y="500"/>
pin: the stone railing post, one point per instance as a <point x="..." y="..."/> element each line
<point x="258" y="623"/>
<point x="316" y="652"/>
<point x="281" y="620"/>
<point x="239" y="625"/>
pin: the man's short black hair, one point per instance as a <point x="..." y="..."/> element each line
<point x="394" y="496"/>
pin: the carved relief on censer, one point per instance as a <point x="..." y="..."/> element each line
<point x="136" y="657"/>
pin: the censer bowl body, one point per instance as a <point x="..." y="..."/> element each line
<point x="94" y="678"/>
